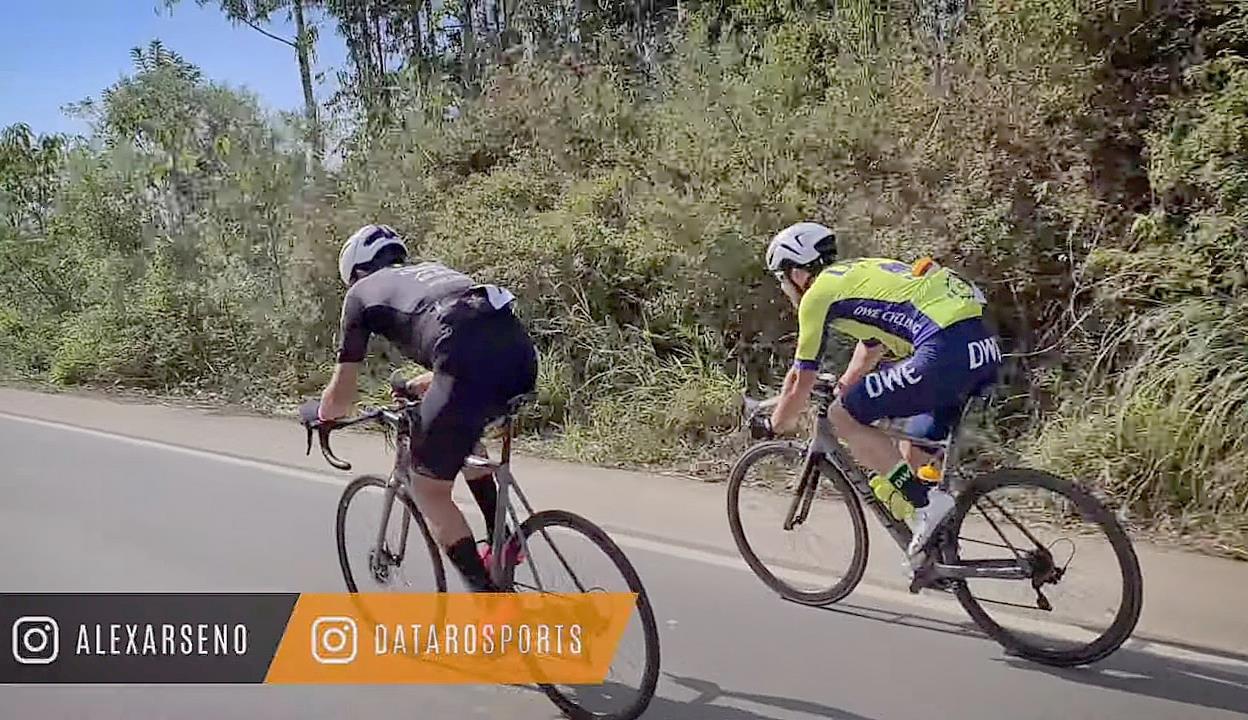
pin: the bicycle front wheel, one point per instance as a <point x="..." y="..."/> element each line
<point x="804" y="538"/>
<point x="1084" y="592"/>
<point x="569" y="554"/>
<point x="405" y="558"/>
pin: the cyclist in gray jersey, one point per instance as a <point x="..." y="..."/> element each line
<point x="479" y="355"/>
<point x="405" y="304"/>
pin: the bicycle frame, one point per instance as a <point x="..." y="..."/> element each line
<point x="826" y="454"/>
<point x="504" y="508"/>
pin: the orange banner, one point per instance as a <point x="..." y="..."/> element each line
<point x="451" y="638"/>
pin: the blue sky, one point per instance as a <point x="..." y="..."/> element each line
<point x="54" y="52"/>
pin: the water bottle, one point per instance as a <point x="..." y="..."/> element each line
<point x="891" y="497"/>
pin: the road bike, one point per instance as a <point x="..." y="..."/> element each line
<point x="779" y="482"/>
<point x="392" y="552"/>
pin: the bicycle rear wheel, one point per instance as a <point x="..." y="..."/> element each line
<point x="1051" y="524"/>
<point x="408" y="559"/>
<point x="813" y="563"/>
<point x="569" y="554"/>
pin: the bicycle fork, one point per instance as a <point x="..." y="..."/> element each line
<point x="807" y="485"/>
<point x="380" y="551"/>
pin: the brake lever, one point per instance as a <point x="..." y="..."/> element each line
<point x="750" y="407"/>
<point x="323" y="436"/>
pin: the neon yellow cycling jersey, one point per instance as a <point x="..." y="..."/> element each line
<point x="881" y="300"/>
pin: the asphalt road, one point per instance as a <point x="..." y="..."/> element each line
<point x="84" y="512"/>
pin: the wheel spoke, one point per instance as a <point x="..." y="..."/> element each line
<point x="1010" y="516"/>
<point x="1081" y="612"/>
<point x="562" y="561"/>
<point x="963" y="538"/>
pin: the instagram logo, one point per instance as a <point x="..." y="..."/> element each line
<point x="36" y="640"/>
<point x="334" y="640"/>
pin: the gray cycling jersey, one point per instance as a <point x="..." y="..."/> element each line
<point x="415" y="307"/>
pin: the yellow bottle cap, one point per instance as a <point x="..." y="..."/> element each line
<point x="930" y="473"/>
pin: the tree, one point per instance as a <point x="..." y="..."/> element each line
<point x="29" y="175"/>
<point x="255" y="14"/>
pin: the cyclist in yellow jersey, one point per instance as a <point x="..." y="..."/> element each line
<point x="924" y="314"/>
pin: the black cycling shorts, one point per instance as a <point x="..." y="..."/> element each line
<point x="484" y="363"/>
<point x="930" y="387"/>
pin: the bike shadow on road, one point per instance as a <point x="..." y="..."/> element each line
<point x="700" y="707"/>
<point x="1213" y="686"/>
<point x="601" y="698"/>
<point x="1221" y="687"/>
<point x="964" y="628"/>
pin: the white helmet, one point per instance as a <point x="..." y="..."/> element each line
<point x="364" y="246"/>
<point x="800" y="245"/>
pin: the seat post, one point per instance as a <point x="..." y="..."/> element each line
<point x="507" y="440"/>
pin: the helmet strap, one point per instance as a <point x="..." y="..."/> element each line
<point x="791" y="289"/>
<point x="811" y="270"/>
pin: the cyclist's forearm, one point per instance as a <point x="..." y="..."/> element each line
<point x="339" y="394"/>
<point x="419" y="384"/>
<point x="793" y="399"/>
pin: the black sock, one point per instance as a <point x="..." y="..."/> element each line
<point x="911" y="487"/>
<point x="485" y="492"/>
<point x="463" y="555"/>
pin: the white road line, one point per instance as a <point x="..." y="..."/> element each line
<point x="929" y="602"/>
<point x="226" y="458"/>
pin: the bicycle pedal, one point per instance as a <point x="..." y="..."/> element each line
<point x="916" y="580"/>
<point x="920" y="577"/>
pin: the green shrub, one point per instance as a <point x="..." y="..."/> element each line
<point x="1165" y="435"/>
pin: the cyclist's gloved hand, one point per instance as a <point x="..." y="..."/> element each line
<point x="760" y="428"/>
<point x="402" y="388"/>
<point x="310" y="412"/>
<point x="398" y="385"/>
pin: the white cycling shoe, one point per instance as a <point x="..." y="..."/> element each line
<point x="925" y="522"/>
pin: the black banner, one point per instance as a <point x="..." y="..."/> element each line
<point x="141" y="638"/>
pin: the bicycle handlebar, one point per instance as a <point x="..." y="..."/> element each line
<point x="323" y="429"/>
<point x="825" y="389"/>
<point x="826" y="382"/>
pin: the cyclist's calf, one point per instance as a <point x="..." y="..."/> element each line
<point x="485" y="491"/>
<point x="450" y="529"/>
<point x="433" y="498"/>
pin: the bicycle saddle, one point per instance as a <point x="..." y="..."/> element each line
<point x="519" y="401"/>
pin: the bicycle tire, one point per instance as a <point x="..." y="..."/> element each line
<point x="650" y="677"/>
<point x="353" y="488"/>
<point x="858" y="563"/>
<point x="1090" y="508"/>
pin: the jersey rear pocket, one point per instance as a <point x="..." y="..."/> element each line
<point x="465" y="309"/>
